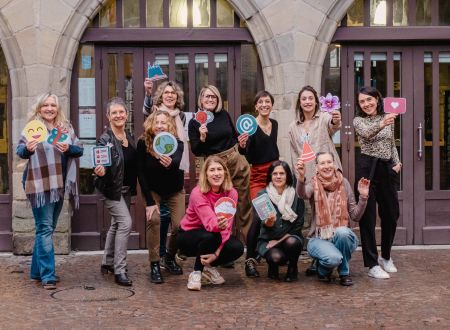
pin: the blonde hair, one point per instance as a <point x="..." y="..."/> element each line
<point x="203" y="183"/>
<point x="149" y="123"/>
<point x="60" y="119"/>
<point x="160" y="91"/>
<point x="216" y="92"/>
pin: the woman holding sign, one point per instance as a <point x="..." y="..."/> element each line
<point x="219" y="137"/>
<point x="117" y="183"/>
<point x="281" y="240"/>
<point x="261" y="150"/>
<point x="332" y="242"/>
<point x="51" y="146"/>
<point x="205" y="231"/>
<point x="379" y="161"/>
<point x="159" y="154"/>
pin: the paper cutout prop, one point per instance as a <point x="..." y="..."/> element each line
<point x="101" y="155"/>
<point x="154" y="72"/>
<point x="307" y="154"/>
<point x="225" y="207"/>
<point x="35" y="130"/>
<point x="246" y="124"/>
<point x="204" y="117"/>
<point x="57" y="135"/>
<point x="263" y="206"/>
<point x="329" y="103"/>
<point x="165" y="144"/>
<point x="394" y="105"/>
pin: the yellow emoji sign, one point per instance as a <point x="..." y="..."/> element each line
<point x="35" y="130"/>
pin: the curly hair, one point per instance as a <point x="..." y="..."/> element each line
<point x="160" y="91"/>
<point x="149" y="124"/>
<point x="298" y="109"/>
<point x="60" y="119"/>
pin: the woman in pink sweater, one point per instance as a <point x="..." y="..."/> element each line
<point x="204" y="234"/>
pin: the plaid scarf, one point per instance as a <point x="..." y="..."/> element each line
<point x="330" y="201"/>
<point x="44" y="181"/>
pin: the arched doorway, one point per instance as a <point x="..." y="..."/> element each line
<point x="195" y="42"/>
<point x="403" y="49"/>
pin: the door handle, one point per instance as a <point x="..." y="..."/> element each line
<point x="420" y="134"/>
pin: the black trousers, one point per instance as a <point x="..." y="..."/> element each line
<point x="252" y="237"/>
<point x="197" y="242"/>
<point x="383" y="191"/>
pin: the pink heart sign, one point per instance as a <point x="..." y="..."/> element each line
<point x="394" y="105"/>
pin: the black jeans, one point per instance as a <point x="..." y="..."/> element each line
<point x="197" y="242"/>
<point x="383" y="191"/>
<point x="252" y="237"/>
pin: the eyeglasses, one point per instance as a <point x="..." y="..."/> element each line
<point x="170" y="92"/>
<point x="210" y="96"/>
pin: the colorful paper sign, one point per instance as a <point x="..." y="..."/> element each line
<point x="225" y="207"/>
<point x="329" y="103"/>
<point x="204" y="117"/>
<point x="308" y="154"/>
<point x="56" y="135"/>
<point x="165" y="144"/>
<point x="394" y="105"/>
<point x="101" y="155"/>
<point x="263" y="206"/>
<point x="154" y="72"/>
<point x="246" y="124"/>
<point x="35" y="130"/>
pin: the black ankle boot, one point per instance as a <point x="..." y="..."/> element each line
<point x="250" y="268"/>
<point x="155" y="273"/>
<point x="273" y="272"/>
<point x="122" y="279"/>
<point x="169" y="263"/>
<point x="292" y="273"/>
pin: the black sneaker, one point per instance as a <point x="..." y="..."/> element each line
<point x="169" y="263"/>
<point x="250" y="268"/>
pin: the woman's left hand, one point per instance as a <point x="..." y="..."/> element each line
<point x="207" y="259"/>
<point x="242" y="139"/>
<point x="397" y="167"/>
<point x="335" y="117"/>
<point x="165" y="160"/>
<point x="363" y="187"/>
<point x="61" y="146"/>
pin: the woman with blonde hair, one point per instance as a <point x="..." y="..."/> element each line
<point x="204" y="234"/>
<point x="161" y="178"/>
<point x="50" y="174"/>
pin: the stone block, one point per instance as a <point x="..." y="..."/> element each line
<point x="273" y="79"/>
<point x="294" y="74"/>
<point x="244" y="9"/>
<point x="264" y="3"/>
<point x="282" y="16"/>
<point x="21" y="225"/>
<point x="21" y="211"/>
<point x="51" y="9"/>
<point x="76" y="25"/>
<point x="327" y="30"/>
<point x="20" y="14"/>
<point x="321" y="5"/>
<point x="18" y="191"/>
<point x="338" y="9"/>
<point x="259" y="28"/>
<point x="89" y="8"/>
<point x="12" y="53"/>
<point x="318" y="52"/>
<point x="38" y="77"/>
<point x="28" y="41"/>
<point x="23" y="243"/>
<point x="3" y="3"/>
<point x="48" y="40"/>
<point x="268" y="52"/>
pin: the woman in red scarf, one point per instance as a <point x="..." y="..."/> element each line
<point x="332" y="242"/>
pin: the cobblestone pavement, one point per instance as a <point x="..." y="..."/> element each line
<point x="416" y="297"/>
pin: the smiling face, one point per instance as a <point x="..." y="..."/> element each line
<point x="215" y="174"/>
<point x="209" y="100"/>
<point x="368" y="104"/>
<point x="160" y="124"/>
<point x="308" y="102"/>
<point x="49" y="110"/>
<point x="264" y="106"/>
<point x="279" y="178"/>
<point x="325" y="166"/>
<point x="117" y="116"/>
<point x="169" y="97"/>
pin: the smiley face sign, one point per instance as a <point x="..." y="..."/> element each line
<point x="35" y="130"/>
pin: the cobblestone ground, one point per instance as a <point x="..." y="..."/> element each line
<point x="416" y="297"/>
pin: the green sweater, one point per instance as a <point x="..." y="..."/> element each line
<point x="281" y="227"/>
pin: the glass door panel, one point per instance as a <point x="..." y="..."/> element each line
<point x="221" y="66"/>
<point x="428" y="118"/>
<point x="201" y="72"/>
<point x="444" y="120"/>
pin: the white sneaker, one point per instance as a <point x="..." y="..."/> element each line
<point x="211" y="275"/>
<point x="387" y="265"/>
<point x="195" y="281"/>
<point x="378" y="272"/>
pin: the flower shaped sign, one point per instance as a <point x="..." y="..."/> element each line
<point x="329" y="103"/>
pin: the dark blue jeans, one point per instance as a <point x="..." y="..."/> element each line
<point x="43" y="261"/>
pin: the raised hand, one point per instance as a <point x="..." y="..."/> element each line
<point x="363" y="187"/>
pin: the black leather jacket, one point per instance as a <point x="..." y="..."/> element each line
<point x="110" y="185"/>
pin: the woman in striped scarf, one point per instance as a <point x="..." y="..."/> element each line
<point x="50" y="175"/>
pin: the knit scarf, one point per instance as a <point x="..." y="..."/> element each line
<point x="44" y="183"/>
<point x="283" y="201"/>
<point x="184" y="164"/>
<point x="330" y="202"/>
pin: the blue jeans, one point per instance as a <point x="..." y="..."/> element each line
<point x="336" y="252"/>
<point x="43" y="261"/>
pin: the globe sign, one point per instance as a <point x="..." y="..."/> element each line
<point x="165" y="144"/>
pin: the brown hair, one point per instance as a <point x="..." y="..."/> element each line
<point x="203" y="183"/>
<point x="149" y="123"/>
<point x="160" y="91"/>
<point x="216" y="92"/>
<point x="298" y="109"/>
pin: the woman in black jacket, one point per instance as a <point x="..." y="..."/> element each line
<point x="117" y="183"/>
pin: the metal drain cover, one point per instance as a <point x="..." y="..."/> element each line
<point x="88" y="293"/>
